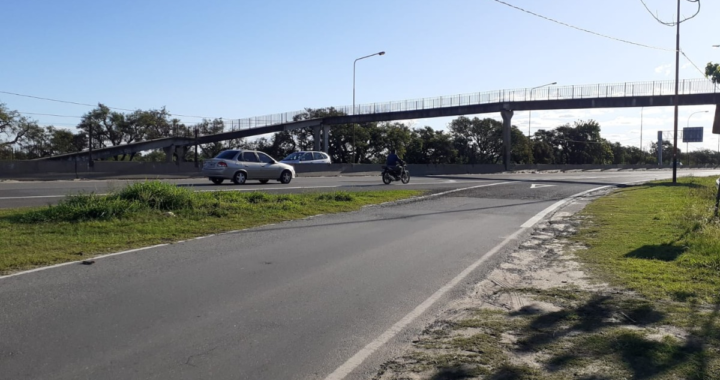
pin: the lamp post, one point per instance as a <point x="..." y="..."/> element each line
<point x="530" y="112"/>
<point x="353" y="110"/>
<point x="688" y="144"/>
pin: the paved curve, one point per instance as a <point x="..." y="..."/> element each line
<point x="287" y="301"/>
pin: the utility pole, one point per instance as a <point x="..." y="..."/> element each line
<point x="677" y="96"/>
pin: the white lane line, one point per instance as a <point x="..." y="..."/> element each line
<point x="531" y="222"/>
<point x="31" y="196"/>
<point x="373" y="346"/>
<point x="79" y="261"/>
<point x="357" y="359"/>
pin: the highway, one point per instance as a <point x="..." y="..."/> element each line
<point x="40" y="193"/>
<point x="328" y="297"/>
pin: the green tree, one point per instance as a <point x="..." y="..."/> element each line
<point x="429" y="146"/>
<point x="13" y="126"/>
<point x="712" y="71"/>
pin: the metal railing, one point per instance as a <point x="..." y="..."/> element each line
<point x="688" y="86"/>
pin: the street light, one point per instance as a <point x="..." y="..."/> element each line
<point x="530" y="112"/>
<point x="688" y="144"/>
<point x="353" y="110"/>
<point x="716" y="46"/>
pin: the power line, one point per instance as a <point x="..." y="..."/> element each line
<point x="672" y="23"/>
<point x="581" y="29"/>
<point x="48" y="114"/>
<point x="92" y="105"/>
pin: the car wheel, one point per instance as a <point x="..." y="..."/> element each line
<point x="217" y="181"/>
<point x="264" y="181"/>
<point x="285" y="177"/>
<point x="239" y="178"/>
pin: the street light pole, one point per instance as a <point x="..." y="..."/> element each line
<point x="530" y="111"/>
<point x="353" y="110"/>
<point x="688" y="126"/>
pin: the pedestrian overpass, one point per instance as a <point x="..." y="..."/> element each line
<point x="614" y="95"/>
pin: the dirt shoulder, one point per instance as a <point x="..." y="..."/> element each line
<point x="542" y="315"/>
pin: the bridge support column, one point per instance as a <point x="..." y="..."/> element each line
<point x="316" y="138"/>
<point x="326" y="138"/>
<point x="182" y="151"/>
<point x="169" y="151"/>
<point x="507" y="127"/>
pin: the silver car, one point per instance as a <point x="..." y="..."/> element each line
<point x="242" y="165"/>
<point x="307" y="157"/>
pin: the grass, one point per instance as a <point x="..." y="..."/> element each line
<point x="659" y="239"/>
<point x="148" y="213"/>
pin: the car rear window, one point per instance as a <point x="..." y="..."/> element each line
<point x="227" y="155"/>
<point x="308" y="156"/>
<point x="293" y="156"/>
<point x="319" y="156"/>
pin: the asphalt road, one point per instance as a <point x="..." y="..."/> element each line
<point x="39" y="193"/>
<point x="289" y="301"/>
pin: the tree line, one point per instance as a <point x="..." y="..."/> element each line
<point x="466" y="140"/>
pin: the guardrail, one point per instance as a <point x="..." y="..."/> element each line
<point x="609" y="90"/>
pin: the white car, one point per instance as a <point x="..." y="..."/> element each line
<point x="307" y="157"/>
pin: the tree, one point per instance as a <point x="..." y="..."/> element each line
<point x="712" y="71"/>
<point x="429" y="146"/>
<point x="13" y="126"/>
<point x="667" y="151"/>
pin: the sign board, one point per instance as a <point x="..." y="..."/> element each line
<point x="693" y="134"/>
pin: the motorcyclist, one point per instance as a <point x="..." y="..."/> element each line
<point x="394" y="163"/>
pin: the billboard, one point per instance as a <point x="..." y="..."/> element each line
<point x="692" y="134"/>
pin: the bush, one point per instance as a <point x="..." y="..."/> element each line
<point x="158" y="195"/>
<point x="82" y="207"/>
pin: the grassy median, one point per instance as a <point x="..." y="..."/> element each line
<point x="142" y="214"/>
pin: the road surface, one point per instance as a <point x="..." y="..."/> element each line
<point x="297" y="300"/>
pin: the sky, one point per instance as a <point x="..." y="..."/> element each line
<point x="236" y="59"/>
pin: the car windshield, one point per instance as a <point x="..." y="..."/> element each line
<point x="227" y="155"/>
<point x="293" y="156"/>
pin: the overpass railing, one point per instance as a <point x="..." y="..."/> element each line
<point x="688" y="86"/>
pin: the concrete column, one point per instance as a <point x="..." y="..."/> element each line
<point x="169" y="150"/>
<point x="316" y="138"/>
<point x="507" y="127"/>
<point x="659" y="148"/>
<point x="326" y="138"/>
<point x="182" y="152"/>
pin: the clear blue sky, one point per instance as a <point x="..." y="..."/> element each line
<point x="236" y="59"/>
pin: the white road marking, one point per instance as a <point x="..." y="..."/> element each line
<point x="535" y="186"/>
<point x="532" y="221"/>
<point x="357" y="359"/>
<point x="32" y="196"/>
<point x="79" y="261"/>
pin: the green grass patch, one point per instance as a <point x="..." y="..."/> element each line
<point x="659" y="239"/>
<point x="142" y="214"/>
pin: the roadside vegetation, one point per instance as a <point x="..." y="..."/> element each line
<point x="639" y="298"/>
<point x="148" y="213"/>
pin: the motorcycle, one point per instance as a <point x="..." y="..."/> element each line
<point x="389" y="175"/>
